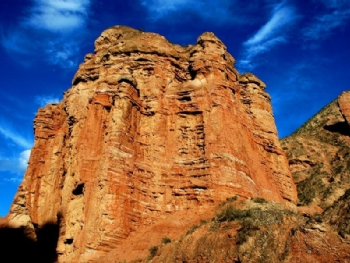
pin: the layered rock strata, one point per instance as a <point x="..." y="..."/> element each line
<point x="148" y="129"/>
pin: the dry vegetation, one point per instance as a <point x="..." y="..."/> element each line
<point x="241" y="231"/>
<point x="319" y="157"/>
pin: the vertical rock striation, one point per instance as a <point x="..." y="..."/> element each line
<point x="148" y="129"/>
<point x="344" y="106"/>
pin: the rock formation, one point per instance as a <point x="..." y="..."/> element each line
<point x="318" y="154"/>
<point x="344" y="105"/>
<point x="252" y="231"/>
<point x="149" y="135"/>
<point x="255" y="231"/>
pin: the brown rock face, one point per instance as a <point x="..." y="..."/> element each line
<point x="256" y="231"/>
<point x="344" y="105"/>
<point x="149" y="132"/>
<point x="318" y="154"/>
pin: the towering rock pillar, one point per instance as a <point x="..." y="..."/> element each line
<point x="148" y="129"/>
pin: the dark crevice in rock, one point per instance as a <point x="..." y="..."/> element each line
<point x="148" y="113"/>
<point x="105" y="57"/>
<point x="190" y="112"/>
<point x="339" y="127"/>
<point x="193" y="73"/>
<point x="131" y="82"/>
<point x="308" y="163"/>
<point x="184" y="98"/>
<point x="127" y="81"/>
<point x="184" y="95"/>
<point x="69" y="241"/>
<point x="79" y="190"/>
<point x="85" y="78"/>
<point x="71" y="121"/>
<point x="143" y="59"/>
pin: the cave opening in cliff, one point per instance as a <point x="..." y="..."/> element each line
<point x="192" y="71"/>
<point x="339" y="127"/>
<point x="79" y="190"/>
<point x="69" y="241"/>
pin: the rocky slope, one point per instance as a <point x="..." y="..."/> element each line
<point x="253" y="231"/>
<point x="319" y="158"/>
<point x="148" y="140"/>
<point x="319" y="155"/>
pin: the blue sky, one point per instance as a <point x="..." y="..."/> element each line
<point x="299" y="48"/>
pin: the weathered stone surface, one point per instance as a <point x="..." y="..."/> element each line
<point x="149" y="132"/>
<point x="344" y="105"/>
<point x="318" y="154"/>
<point x="266" y="233"/>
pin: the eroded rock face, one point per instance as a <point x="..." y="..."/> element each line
<point x="318" y="154"/>
<point x="147" y="131"/>
<point x="344" y="106"/>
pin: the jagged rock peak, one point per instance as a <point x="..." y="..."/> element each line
<point x="126" y="40"/>
<point x="251" y="78"/>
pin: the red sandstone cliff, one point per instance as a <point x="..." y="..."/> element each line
<point x="149" y="136"/>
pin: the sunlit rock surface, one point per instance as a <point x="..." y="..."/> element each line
<point x="150" y="137"/>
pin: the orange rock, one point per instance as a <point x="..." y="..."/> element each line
<point x="149" y="131"/>
<point x="344" y="105"/>
<point x="309" y="210"/>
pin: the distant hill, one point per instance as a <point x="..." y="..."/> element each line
<point x="319" y="157"/>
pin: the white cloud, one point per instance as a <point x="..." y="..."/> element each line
<point x="58" y="15"/>
<point x="207" y="9"/>
<point x="272" y="33"/>
<point x="14" y="158"/>
<point x="15" y="165"/>
<point x="282" y="16"/>
<point x="14" y="179"/>
<point x="52" y="30"/>
<point x="44" y="100"/>
<point x="8" y="132"/>
<point x="158" y="9"/>
<point x="23" y="159"/>
<point x="323" y="25"/>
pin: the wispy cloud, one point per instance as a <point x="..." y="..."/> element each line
<point x="43" y="100"/>
<point x="336" y="3"/>
<point x="8" y="132"/>
<point x="23" y="159"/>
<point x="159" y="9"/>
<point x="221" y="12"/>
<point x="337" y="14"/>
<point x="290" y="88"/>
<point x="15" y="165"/>
<point x="272" y="33"/>
<point x="55" y="28"/>
<point x="58" y="15"/>
<point x="15" y="151"/>
<point x="297" y="81"/>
